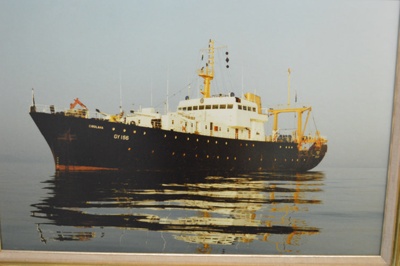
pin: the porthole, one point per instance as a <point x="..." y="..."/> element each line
<point x="197" y="140"/>
<point x="217" y="156"/>
<point x="227" y="158"/>
<point x="226" y="143"/>
<point x="176" y="137"/>
<point x="124" y="130"/>
<point x="208" y="141"/>
<point x="129" y="149"/>
<point x="188" y="138"/>
<point x="134" y="132"/>
<point x="184" y="154"/>
<point x="113" y="129"/>
<point x="173" y="153"/>
<point x="216" y="142"/>
<point x="208" y="156"/>
<point x="144" y="132"/>
<point x="165" y="135"/>
<point x="234" y="158"/>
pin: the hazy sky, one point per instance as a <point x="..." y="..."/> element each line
<point x="342" y="56"/>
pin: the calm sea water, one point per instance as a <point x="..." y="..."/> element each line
<point x="327" y="212"/>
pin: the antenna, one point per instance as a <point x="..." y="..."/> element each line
<point x="167" y="89"/>
<point x="288" y="100"/>
<point x="242" y="82"/>
<point x="151" y="92"/>
<point x="120" y="90"/>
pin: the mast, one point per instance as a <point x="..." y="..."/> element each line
<point x="33" y="98"/>
<point x="207" y="73"/>
<point x="300" y="139"/>
<point x="299" y="130"/>
<point x="33" y="107"/>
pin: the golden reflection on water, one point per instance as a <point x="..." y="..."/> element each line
<point x="204" y="210"/>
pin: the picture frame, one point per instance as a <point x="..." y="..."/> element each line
<point x="390" y="247"/>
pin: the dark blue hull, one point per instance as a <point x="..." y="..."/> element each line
<point x="80" y="144"/>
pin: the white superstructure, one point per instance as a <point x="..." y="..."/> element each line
<point x="224" y="116"/>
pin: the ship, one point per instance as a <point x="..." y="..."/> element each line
<point x="219" y="132"/>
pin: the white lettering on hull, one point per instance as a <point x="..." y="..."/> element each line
<point x="96" y="127"/>
<point x="121" y="137"/>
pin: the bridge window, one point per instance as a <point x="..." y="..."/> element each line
<point x="215" y="106"/>
<point x="208" y="106"/>
<point x="230" y="106"/>
<point x="195" y="108"/>
<point x="222" y="106"/>
<point x="239" y="107"/>
<point x="201" y="107"/>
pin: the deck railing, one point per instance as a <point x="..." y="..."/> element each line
<point x="51" y="109"/>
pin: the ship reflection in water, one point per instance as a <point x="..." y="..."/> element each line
<point x="202" y="210"/>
